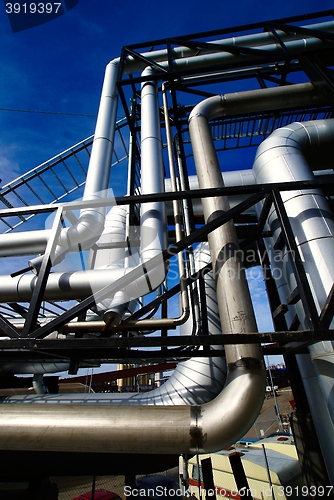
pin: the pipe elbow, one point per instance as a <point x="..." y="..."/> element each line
<point x="305" y="143"/>
<point x="230" y="415"/>
<point x="210" y="108"/>
<point x="114" y="62"/>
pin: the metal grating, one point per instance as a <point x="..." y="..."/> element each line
<point x="247" y="131"/>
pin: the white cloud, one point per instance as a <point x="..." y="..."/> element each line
<point x="9" y="169"/>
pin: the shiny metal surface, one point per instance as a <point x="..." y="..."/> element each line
<point x="289" y="154"/>
<point x="233" y="178"/>
<point x="23" y="243"/>
<point x="186" y="57"/>
<point x="159" y="429"/>
<point x="246" y="371"/>
<point x="153" y="215"/>
<point x="91" y="221"/>
<point x="194" y="381"/>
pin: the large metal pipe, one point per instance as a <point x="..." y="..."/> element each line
<point x="153" y="215"/>
<point x="194" y="381"/>
<point x="185" y="429"/>
<point x="114" y="234"/>
<point x="231" y="178"/>
<point x="246" y="371"/>
<point x="185" y="57"/>
<point x="91" y="221"/>
<point x="90" y="224"/>
<point x="263" y="99"/>
<point x="24" y="243"/>
<point x="290" y="154"/>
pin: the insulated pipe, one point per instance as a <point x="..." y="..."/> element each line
<point x="114" y="233"/>
<point x="289" y="154"/>
<point x="258" y="100"/>
<point x="153" y="215"/>
<point x="23" y="243"/>
<point x="194" y="381"/>
<point x="86" y="232"/>
<point x="77" y="284"/>
<point x="176" y="210"/>
<point x="189" y="429"/>
<point x="245" y="386"/>
<point x="185" y="57"/>
<point x="185" y="428"/>
<point x="91" y="221"/>
<point x="232" y="178"/>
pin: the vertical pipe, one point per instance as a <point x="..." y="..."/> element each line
<point x="153" y="215"/>
<point x="234" y="302"/>
<point x="288" y="155"/>
<point x="91" y="220"/>
<point x="245" y="387"/>
<point x="176" y="208"/>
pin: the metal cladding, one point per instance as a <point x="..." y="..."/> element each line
<point x="198" y="409"/>
<point x="290" y="154"/>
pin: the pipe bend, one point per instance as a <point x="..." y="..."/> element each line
<point x="223" y="420"/>
<point x="210" y="108"/>
<point x="91" y="221"/>
<point x="311" y="142"/>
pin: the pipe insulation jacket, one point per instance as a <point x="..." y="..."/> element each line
<point x="290" y="154"/>
<point x="90" y="224"/>
<point x="170" y="429"/>
<point x="194" y="381"/>
<point x="153" y="222"/>
<point x="246" y="371"/>
<point x="91" y="220"/>
<point x="268" y="99"/>
<point x="185" y="57"/>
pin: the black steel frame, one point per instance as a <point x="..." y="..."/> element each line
<point x="116" y="348"/>
<point x="253" y="63"/>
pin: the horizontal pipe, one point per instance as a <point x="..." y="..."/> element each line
<point x="194" y="381"/>
<point x="276" y="98"/>
<point x="131" y="429"/>
<point x="185" y="57"/>
<point x="24" y="243"/>
<point x="182" y="429"/>
<point x="232" y="178"/>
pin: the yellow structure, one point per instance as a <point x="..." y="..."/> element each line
<point x="285" y="480"/>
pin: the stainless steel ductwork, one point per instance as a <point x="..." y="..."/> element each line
<point x="90" y="224"/>
<point x="91" y="221"/>
<point x="194" y="381"/>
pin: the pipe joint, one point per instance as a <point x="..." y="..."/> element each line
<point x="195" y="431"/>
<point x="246" y="363"/>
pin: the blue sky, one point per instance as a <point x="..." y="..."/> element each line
<point x="59" y="67"/>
